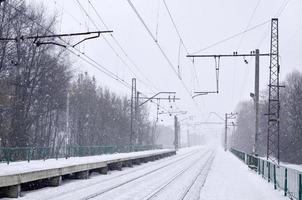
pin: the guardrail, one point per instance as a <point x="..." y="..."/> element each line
<point x="8" y="154"/>
<point x="284" y="178"/>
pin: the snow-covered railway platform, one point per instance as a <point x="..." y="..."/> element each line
<point x="50" y="172"/>
<point x="196" y="173"/>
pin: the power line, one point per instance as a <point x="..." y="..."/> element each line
<point x="231" y="37"/>
<point x="84" y="57"/>
<point x="80" y="54"/>
<point x="160" y="48"/>
<point x="180" y="38"/>
<point x="121" y="48"/>
<point x="175" y="26"/>
<point x="111" y="47"/>
<point x="239" y="44"/>
<point x="157" y="21"/>
<point x="282" y="8"/>
<point x="72" y="16"/>
<point x="278" y="14"/>
<point x="249" y="23"/>
<point x="109" y="44"/>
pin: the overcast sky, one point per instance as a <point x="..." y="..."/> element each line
<point x="201" y="23"/>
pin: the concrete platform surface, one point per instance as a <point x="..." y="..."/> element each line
<point x="22" y="172"/>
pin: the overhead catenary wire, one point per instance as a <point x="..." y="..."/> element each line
<point x="231" y="37"/>
<point x="121" y="47"/>
<point x="157" y="21"/>
<point x="240" y="42"/>
<point x="110" y="46"/>
<point x="66" y="11"/>
<point x="282" y="8"/>
<point x="92" y="21"/>
<point x="249" y="23"/>
<point x="181" y="39"/>
<point x="161" y="50"/>
<point x="83" y="56"/>
<point x="279" y="12"/>
<point x="79" y="53"/>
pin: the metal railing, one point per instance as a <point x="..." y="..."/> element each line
<point x="284" y="178"/>
<point x="8" y="154"/>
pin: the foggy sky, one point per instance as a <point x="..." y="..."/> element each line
<point x="201" y="23"/>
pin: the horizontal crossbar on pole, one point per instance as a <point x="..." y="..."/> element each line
<point x="226" y="55"/>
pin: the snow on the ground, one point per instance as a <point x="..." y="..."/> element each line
<point x="231" y="179"/>
<point x="80" y="189"/>
<point x="228" y="179"/>
<point x="37" y="165"/>
<point x="292" y="166"/>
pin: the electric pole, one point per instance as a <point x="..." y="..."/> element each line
<point x="132" y="110"/>
<point x="255" y="96"/>
<point x="227" y="116"/>
<point x="188" y="137"/>
<point x="256" y="101"/>
<point x="226" y="132"/>
<point x="135" y="105"/>
<point x="137" y="111"/>
<point x="273" y="133"/>
<point x="67" y="134"/>
<point x="176" y="133"/>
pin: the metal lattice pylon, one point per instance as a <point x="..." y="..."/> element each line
<point x="273" y="142"/>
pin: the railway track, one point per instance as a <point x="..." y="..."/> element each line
<point x="132" y="172"/>
<point x="178" y="161"/>
<point x="162" y="188"/>
<point x="203" y="174"/>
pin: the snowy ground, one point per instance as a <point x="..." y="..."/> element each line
<point x="37" y="165"/>
<point x="206" y="173"/>
<point x="230" y="179"/>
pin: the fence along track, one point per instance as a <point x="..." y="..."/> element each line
<point x="136" y="178"/>
<point x="113" y="178"/>
<point x="285" y="178"/>
<point x="164" y="186"/>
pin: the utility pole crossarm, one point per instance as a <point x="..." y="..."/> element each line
<point x="36" y="38"/>
<point x="196" y="94"/>
<point x="226" y="55"/>
<point x="22" y="37"/>
<point x="153" y="97"/>
<point x="227" y="117"/>
<point x="175" y="113"/>
<point x="165" y="98"/>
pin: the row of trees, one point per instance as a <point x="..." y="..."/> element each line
<point x="99" y="117"/>
<point x="37" y="88"/>
<point x="290" y="122"/>
<point x="33" y="80"/>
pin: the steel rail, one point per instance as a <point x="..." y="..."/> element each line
<point x="178" y="175"/>
<point x="207" y="164"/>
<point x="136" y="178"/>
<point x="112" y="178"/>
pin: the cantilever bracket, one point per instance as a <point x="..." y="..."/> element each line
<point x="203" y="93"/>
<point x="89" y="38"/>
<point x="38" y="43"/>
